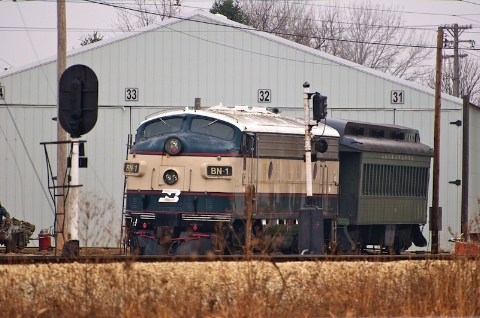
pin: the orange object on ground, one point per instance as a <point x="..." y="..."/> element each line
<point x="466" y="248"/>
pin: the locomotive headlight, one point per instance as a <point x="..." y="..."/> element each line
<point x="173" y="146"/>
<point x="170" y="177"/>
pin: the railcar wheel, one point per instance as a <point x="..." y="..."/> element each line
<point x="401" y="244"/>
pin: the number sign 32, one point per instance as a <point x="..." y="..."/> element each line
<point x="264" y="96"/>
<point x="131" y="94"/>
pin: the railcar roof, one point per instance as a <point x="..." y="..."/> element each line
<point x="254" y="119"/>
<point x="378" y="144"/>
<point x="386" y="145"/>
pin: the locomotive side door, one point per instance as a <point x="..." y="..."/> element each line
<point x="250" y="171"/>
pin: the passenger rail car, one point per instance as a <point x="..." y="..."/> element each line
<point x="384" y="179"/>
<point x="203" y="180"/>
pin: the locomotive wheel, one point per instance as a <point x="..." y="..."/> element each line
<point x="201" y="246"/>
<point x="163" y="249"/>
<point x="146" y="246"/>
<point x="135" y="246"/>
<point x="232" y="243"/>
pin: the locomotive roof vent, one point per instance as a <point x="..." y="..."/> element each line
<point x="398" y="135"/>
<point x="355" y="131"/>
<point x="377" y="133"/>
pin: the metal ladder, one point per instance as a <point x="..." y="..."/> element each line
<point x="124" y="242"/>
<point x="52" y="188"/>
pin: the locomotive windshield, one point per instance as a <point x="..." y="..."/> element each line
<point x="212" y="127"/>
<point x="162" y="126"/>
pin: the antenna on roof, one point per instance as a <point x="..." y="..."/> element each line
<point x="198" y="103"/>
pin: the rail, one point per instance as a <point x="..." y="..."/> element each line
<point x="19" y="259"/>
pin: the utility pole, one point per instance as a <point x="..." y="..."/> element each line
<point x="465" y="166"/>
<point x="434" y="217"/>
<point x="61" y="133"/>
<point x="455" y="31"/>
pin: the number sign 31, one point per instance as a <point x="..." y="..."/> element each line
<point x="397" y="97"/>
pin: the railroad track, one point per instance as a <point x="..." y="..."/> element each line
<point x="17" y="259"/>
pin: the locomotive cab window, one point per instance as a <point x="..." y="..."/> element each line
<point x="212" y="127"/>
<point x="161" y="127"/>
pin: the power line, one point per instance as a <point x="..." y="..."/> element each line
<point x="117" y="5"/>
<point x="277" y="33"/>
<point x="6" y="62"/>
<point x="253" y="29"/>
<point x="456" y="31"/>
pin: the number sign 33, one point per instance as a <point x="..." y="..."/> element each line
<point x="131" y="94"/>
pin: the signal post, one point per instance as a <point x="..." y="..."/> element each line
<point x="310" y="217"/>
<point x="78" y="101"/>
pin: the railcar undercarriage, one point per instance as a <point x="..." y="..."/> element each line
<point x="279" y="236"/>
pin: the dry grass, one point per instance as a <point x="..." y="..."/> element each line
<point x="244" y="289"/>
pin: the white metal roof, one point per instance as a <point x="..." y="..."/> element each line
<point x="254" y="119"/>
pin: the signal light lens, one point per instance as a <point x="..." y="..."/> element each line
<point x="173" y="146"/>
<point x="144" y="225"/>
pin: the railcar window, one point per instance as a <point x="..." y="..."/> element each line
<point x="162" y="126"/>
<point x="366" y="175"/>
<point x="212" y="127"/>
<point x="415" y="181"/>
<point x="389" y="180"/>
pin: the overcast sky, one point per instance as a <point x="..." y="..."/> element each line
<point x="28" y="28"/>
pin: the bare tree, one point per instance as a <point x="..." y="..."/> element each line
<point x="469" y="79"/>
<point x="294" y="21"/>
<point x="374" y="36"/>
<point x="329" y="32"/>
<point x="367" y="34"/>
<point x="146" y="12"/>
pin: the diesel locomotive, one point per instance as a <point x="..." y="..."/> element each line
<point x="232" y="180"/>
